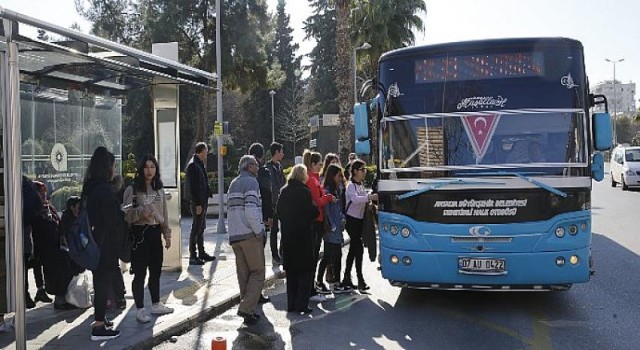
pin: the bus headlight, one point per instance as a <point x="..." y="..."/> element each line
<point x="394" y="260"/>
<point x="385" y="227"/>
<point x="560" y="232"/>
<point x="560" y="261"/>
<point x="583" y="226"/>
<point x="574" y="260"/>
<point x="406" y="261"/>
<point x="405" y="232"/>
<point x="394" y="230"/>
<point x="573" y="230"/>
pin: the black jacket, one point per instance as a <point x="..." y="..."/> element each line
<point x="106" y="218"/>
<point x="264" y="180"/>
<point x="199" y="189"/>
<point x="296" y="211"/>
<point x="277" y="180"/>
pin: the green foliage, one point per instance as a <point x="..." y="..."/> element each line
<point x="370" y="176"/>
<point x="129" y="165"/>
<point x="59" y="196"/>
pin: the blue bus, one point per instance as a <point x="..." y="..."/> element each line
<point x="486" y="151"/>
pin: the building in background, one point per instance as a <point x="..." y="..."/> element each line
<point x="624" y="102"/>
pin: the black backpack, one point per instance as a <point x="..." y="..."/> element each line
<point x="83" y="249"/>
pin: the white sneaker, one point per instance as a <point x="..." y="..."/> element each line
<point x="318" y="298"/>
<point x="160" y="309"/>
<point x="143" y="316"/>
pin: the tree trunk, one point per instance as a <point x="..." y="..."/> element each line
<point x="343" y="78"/>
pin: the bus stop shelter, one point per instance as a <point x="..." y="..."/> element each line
<point x="80" y="82"/>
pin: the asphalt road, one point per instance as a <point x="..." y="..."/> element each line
<point x="601" y="314"/>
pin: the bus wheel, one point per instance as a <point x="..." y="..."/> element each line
<point x="623" y="184"/>
<point x="613" y="182"/>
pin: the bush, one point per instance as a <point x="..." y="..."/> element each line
<point x="59" y="196"/>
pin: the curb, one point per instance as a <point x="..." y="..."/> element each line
<point x="194" y="321"/>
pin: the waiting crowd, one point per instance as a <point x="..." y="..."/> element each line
<point x="315" y="204"/>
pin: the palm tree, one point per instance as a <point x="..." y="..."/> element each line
<point x="343" y="76"/>
<point x="386" y="25"/>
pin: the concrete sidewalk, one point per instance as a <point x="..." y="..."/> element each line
<point x="198" y="293"/>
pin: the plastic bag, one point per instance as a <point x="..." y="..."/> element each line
<point x="79" y="291"/>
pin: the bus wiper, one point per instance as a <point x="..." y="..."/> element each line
<point x="523" y="176"/>
<point x="436" y="185"/>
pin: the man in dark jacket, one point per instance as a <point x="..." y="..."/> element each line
<point x="198" y="192"/>
<point x="277" y="182"/>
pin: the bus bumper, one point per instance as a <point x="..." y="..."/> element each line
<point x="523" y="271"/>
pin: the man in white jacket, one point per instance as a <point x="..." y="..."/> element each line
<point x="247" y="236"/>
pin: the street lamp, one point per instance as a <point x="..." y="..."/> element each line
<point x="273" y="119"/>
<point x="615" y="100"/>
<point x="365" y="46"/>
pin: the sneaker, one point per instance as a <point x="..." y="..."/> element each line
<point x="318" y="298"/>
<point x="249" y="319"/>
<point x="206" y="257"/>
<point x="107" y="324"/>
<point x="160" y="309"/>
<point x="42" y="296"/>
<point x="121" y="304"/>
<point x="196" y="261"/>
<point x="321" y="288"/>
<point x="338" y="288"/>
<point x="102" y="333"/>
<point x="264" y="299"/>
<point x="142" y="316"/>
<point x="348" y="283"/>
<point x="363" y="286"/>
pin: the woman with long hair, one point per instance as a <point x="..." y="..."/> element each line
<point x="146" y="210"/>
<point x="313" y="162"/>
<point x="107" y="220"/>
<point x="329" y="158"/>
<point x="333" y="239"/>
<point x="356" y="198"/>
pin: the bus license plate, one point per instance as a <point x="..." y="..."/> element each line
<point x="481" y="266"/>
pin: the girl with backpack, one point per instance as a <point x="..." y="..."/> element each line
<point x="334" y="225"/>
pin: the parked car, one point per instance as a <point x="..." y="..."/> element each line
<point x="625" y="167"/>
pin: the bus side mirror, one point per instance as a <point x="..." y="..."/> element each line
<point x="363" y="147"/>
<point x="597" y="167"/>
<point x="602" y="135"/>
<point x="361" y="123"/>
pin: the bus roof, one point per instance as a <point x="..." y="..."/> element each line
<point x="475" y="45"/>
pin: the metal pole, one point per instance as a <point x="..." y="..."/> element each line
<point x="615" y="100"/>
<point x="221" y="224"/>
<point x="615" y="107"/>
<point x="13" y="179"/>
<point x="273" y="118"/>
<point x="355" y="81"/>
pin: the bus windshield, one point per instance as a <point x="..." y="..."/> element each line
<point x="551" y="138"/>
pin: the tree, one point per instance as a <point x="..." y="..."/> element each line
<point x="322" y="91"/>
<point x="385" y="25"/>
<point x="343" y="76"/>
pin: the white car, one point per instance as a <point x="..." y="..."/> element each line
<point x="625" y="167"/>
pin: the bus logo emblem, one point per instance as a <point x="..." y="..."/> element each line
<point x="480" y="130"/>
<point x="568" y="82"/>
<point x="479" y="231"/>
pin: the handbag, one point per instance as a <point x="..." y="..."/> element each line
<point x="79" y="291"/>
